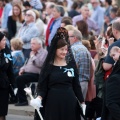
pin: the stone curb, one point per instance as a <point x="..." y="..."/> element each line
<point x="21" y="110"/>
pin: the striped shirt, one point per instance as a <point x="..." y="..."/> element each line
<point x="36" y="4"/>
<point x="83" y="60"/>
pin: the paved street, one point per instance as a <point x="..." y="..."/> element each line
<point x="18" y="117"/>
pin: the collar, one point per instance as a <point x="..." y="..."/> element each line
<point x="96" y="7"/>
<point x="58" y="18"/>
<point x="76" y="43"/>
<point x="30" y="24"/>
<point x="40" y="50"/>
<point x="13" y="52"/>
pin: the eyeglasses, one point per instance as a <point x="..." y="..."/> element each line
<point x="71" y="36"/>
<point x="28" y="15"/>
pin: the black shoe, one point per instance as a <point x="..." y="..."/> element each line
<point x="21" y="104"/>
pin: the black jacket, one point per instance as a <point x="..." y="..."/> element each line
<point x="6" y="70"/>
<point x="111" y="106"/>
<point x="12" y="27"/>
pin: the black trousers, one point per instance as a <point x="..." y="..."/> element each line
<point x="21" y="82"/>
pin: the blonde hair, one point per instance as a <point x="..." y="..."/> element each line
<point x="114" y="49"/>
<point x="70" y="27"/>
<point x="37" y="13"/>
<point x="16" y="43"/>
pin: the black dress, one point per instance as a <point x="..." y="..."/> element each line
<point x="61" y="88"/>
<point x="6" y="77"/>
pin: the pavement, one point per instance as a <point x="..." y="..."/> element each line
<point x="20" y="110"/>
<point x="18" y="117"/>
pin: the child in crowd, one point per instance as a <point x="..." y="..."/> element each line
<point x="115" y="53"/>
<point x="17" y="54"/>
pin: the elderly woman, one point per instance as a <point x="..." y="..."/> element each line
<point x="6" y="76"/>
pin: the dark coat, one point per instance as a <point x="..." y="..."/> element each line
<point x="111" y="105"/>
<point x="6" y="69"/>
<point x="12" y="28"/>
<point x="6" y="78"/>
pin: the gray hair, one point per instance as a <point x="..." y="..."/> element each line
<point x="77" y="34"/>
<point x="84" y="6"/>
<point x="60" y="9"/>
<point x="116" y="24"/>
<point x="33" y="14"/>
<point x="39" y="41"/>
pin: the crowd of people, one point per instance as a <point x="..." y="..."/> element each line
<point x="71" y="49"/>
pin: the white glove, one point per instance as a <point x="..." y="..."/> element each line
<point x="84" y="108"/>
<point x="36" y="103"/>
<point x="98" y="118"/>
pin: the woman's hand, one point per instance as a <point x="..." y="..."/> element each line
<point x="36" y="103"/>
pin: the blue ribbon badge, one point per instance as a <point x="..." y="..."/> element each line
<point x="7" y="57"/>
<point x="70" y="72"/>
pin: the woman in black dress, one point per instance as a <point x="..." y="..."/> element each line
<point x="6" y="76"/>
<point x="58" y="85"/>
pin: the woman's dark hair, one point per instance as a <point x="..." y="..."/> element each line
<point x="59" y="40"/>
<point x="92" y="42"/>
<point x="75" y="5"/>
<point x="83" y="27"/>
<point x="67" y="20"/>
<point x="110" y="33"/>
<point x="61" y="43"/>
<point x="109" y="2"/>
<point x="1" y="35"/>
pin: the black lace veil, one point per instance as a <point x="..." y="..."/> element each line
<point x="61" y="33"/>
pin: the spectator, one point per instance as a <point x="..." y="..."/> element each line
<point x="27" y="5"/>
<point x="28" y="31"/>
<point x="113" y="13"/>
<point x="111" y="107"/>
<point x="49" y="11"/>
<point x="40" y="25"/>
<point x="58" y="13"/>
<point x="7" y="9"/>
<point x="74" y="11"/>
<point x="109" y="62"/>
<point x="83" y="28"/>
<point x="93" y="50"/>
<point x="66" y="21"/>
<point x="15" y="21"/>
<point x="107" y="18"/>
<point x="92" y="26"/>
<point x="18" y="57"/>
<point x="82" y="57"/>
<point x="30" y="71"/>
<point x="36" y="4"/>
<point x="98" y="13"/>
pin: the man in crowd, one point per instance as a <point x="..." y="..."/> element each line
<point x="109" y="62"/>
<point x="82" y="57"/>
<point x="31" y="70"/>
<point x="98" y="13"/>
<point x="92" y="26"/>
<point x="58" y="12"/>
<point x="28" y="31"/>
